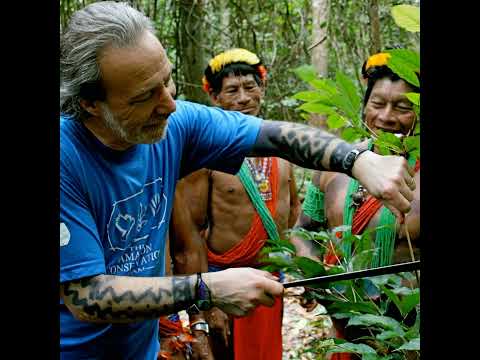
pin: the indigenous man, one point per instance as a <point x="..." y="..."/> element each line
<point x="119" y="164"/>
<point x="229" y="208"/>
<point x="334" y="199"/>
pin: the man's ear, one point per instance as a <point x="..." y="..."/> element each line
<point x="92" y="107"/>
<point x="214" y="99"/>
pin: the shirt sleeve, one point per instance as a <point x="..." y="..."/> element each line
<point x="81" y="251"/>
<point x="216" y="139"/>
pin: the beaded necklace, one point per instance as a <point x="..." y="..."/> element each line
<point x="385" y="237"/>
<point x="261" y="173"/>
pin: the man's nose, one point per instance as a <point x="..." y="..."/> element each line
<point x="386" y="114"/>
<point x="243" y="97"/>
<point x="166" y="103"/>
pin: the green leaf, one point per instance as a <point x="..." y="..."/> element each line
<point x="336" y="121"/>
<point x="392" y="296"/>
<point x="411" y="143"/>
<point x="317" y="108"/>
<point x="325" y="85"/>
<point x="413" y="344"/>
<point x="306" y="72"/>
<point x="405" y="63"/>
<point x="352" y="348"/>
<point x="407" y="17"/>
<point x="414" y="331"/>
<point x="380" y="280"/>
<point x="409" y="57"/>
<point x="384" y="322"/>
<point x="351" y="101"/>
<point x="389" y="334"/>
<point x="409" y="302"/>
<point x="309" y="267"/>
<point x="372" y="357"/>
<point x="383" y="150"/>
<point x="389" y="138"/>
<point x="413" y="97"/>
<point x="350" y="134"/>
<point x="310" y="96"/>
<point x="340" y="315"/>
<point x="349" y="307"/>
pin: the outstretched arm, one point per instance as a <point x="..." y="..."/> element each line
<point x="386" y="177"/>
<point x="125" y="299"/>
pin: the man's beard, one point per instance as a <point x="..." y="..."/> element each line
<point x="138" y="137"/>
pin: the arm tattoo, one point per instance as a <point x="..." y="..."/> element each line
<point x="303" y="145"/>
<point x="183" y="294"/>
<point x="107" y="298"/>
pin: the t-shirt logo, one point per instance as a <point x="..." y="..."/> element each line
<point x="64" y="234"/>
<point x="137" y="217"/>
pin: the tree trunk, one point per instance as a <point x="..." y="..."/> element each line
<point x="319" y="49"/>
<point x="376" y="44"/>
<point x="191" y="51"/>
<point x="319" y="36"/>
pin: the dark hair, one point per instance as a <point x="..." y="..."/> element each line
<point x="238" y="69"/>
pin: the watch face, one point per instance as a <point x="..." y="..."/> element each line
<point x="204" y="304"/>
<point x="347" y="162"/>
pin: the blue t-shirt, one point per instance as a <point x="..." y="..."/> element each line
<point x="115" y="209"/>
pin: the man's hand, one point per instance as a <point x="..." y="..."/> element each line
<point x="238" y="291"/>
<point x="388" y="178"/>
<point x="219" y="323"/>
<point x="201" y="347"/>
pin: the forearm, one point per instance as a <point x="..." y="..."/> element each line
<point x="125" y="299"/>
<point x="303" y="145"/>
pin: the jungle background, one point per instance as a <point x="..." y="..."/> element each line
<point x="328" y="35"/>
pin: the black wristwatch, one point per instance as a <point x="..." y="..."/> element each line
<point x="203" y="297"/>
<point x="349" y="160"/>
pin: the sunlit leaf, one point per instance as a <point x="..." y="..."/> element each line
<point x="407" y="17"/>
<point x="347" y="98"/>
<point x="306" y="72"/>
<point x="350" y="134"/>
<point x="335" y="121"/>
<point x="405" y="63"/>
<point x="413" y="97"/>
<point x="413" y="344"/>
<point x="384" y="322"/>
<point x="411" y="143"/>
<point x="317" y="108"/>
<point x="389" y="334"/>
<point x="310" y="96"/>
<point x="325" y="85"/>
